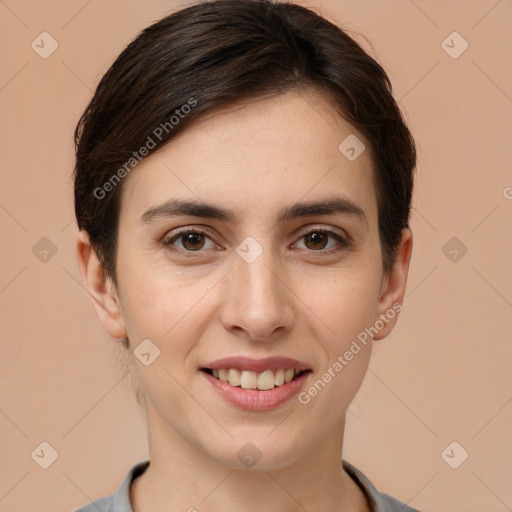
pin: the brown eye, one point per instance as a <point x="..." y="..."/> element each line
<point x="318" y="240"/>
<point x="190" y="241"/>
<point x="193" y="241"/>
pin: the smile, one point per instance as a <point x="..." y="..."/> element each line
<point x="254" y="398"/>
<point x="262" y="381"/>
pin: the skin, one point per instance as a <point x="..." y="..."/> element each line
<point x="294" y="300"/>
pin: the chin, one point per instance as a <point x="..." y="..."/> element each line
<point x="257" y="452"/>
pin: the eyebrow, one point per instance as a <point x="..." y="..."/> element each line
<point x="180" y="207"/>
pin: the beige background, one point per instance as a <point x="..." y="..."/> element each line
<point x="442" y="376"/>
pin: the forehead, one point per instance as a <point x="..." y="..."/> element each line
<point x="257" y="157"/>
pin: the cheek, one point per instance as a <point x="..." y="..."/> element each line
<point x="345" y="307"/>
<point x="166" y="307"/>
<point x="344" y="304"/>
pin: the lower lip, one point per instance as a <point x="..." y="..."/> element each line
<point x="255" y="400"/>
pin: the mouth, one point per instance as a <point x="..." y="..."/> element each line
<point x="260" y="381"/>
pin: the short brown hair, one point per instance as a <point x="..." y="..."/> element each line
<point x="219" y="53"/>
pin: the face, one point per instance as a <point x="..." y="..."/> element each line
<point x="254" y="276"/>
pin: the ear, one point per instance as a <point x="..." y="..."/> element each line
<point x="100" y="287"/>
<point x="393" y="287"/>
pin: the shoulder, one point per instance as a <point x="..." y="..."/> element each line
<point x="379" y="501"/>
<point x="104" y="504"/>
<point x="119" y="501"/>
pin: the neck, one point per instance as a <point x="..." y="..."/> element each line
<point x="182" y="476"/>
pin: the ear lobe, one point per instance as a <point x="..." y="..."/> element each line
<point x="393" y="287"/>
<point x="100" y="287"/>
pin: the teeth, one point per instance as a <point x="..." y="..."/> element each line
<point x="234" y="377"/>
<point x="249" y="380"/>
<point x="255" y="380"/>
<point x="266" y="380"/>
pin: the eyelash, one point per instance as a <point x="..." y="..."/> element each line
<point x="344" y="243"/>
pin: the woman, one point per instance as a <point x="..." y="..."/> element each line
<point x="243" y="183"/>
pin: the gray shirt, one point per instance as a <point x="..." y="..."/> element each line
<point x="120" y="500"/>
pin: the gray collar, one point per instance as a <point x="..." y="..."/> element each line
<point x="120" y="500"/>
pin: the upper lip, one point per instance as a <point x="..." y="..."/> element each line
<point x="257" y="365"/>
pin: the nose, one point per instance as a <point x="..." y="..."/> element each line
<point x="258" y="302"/>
